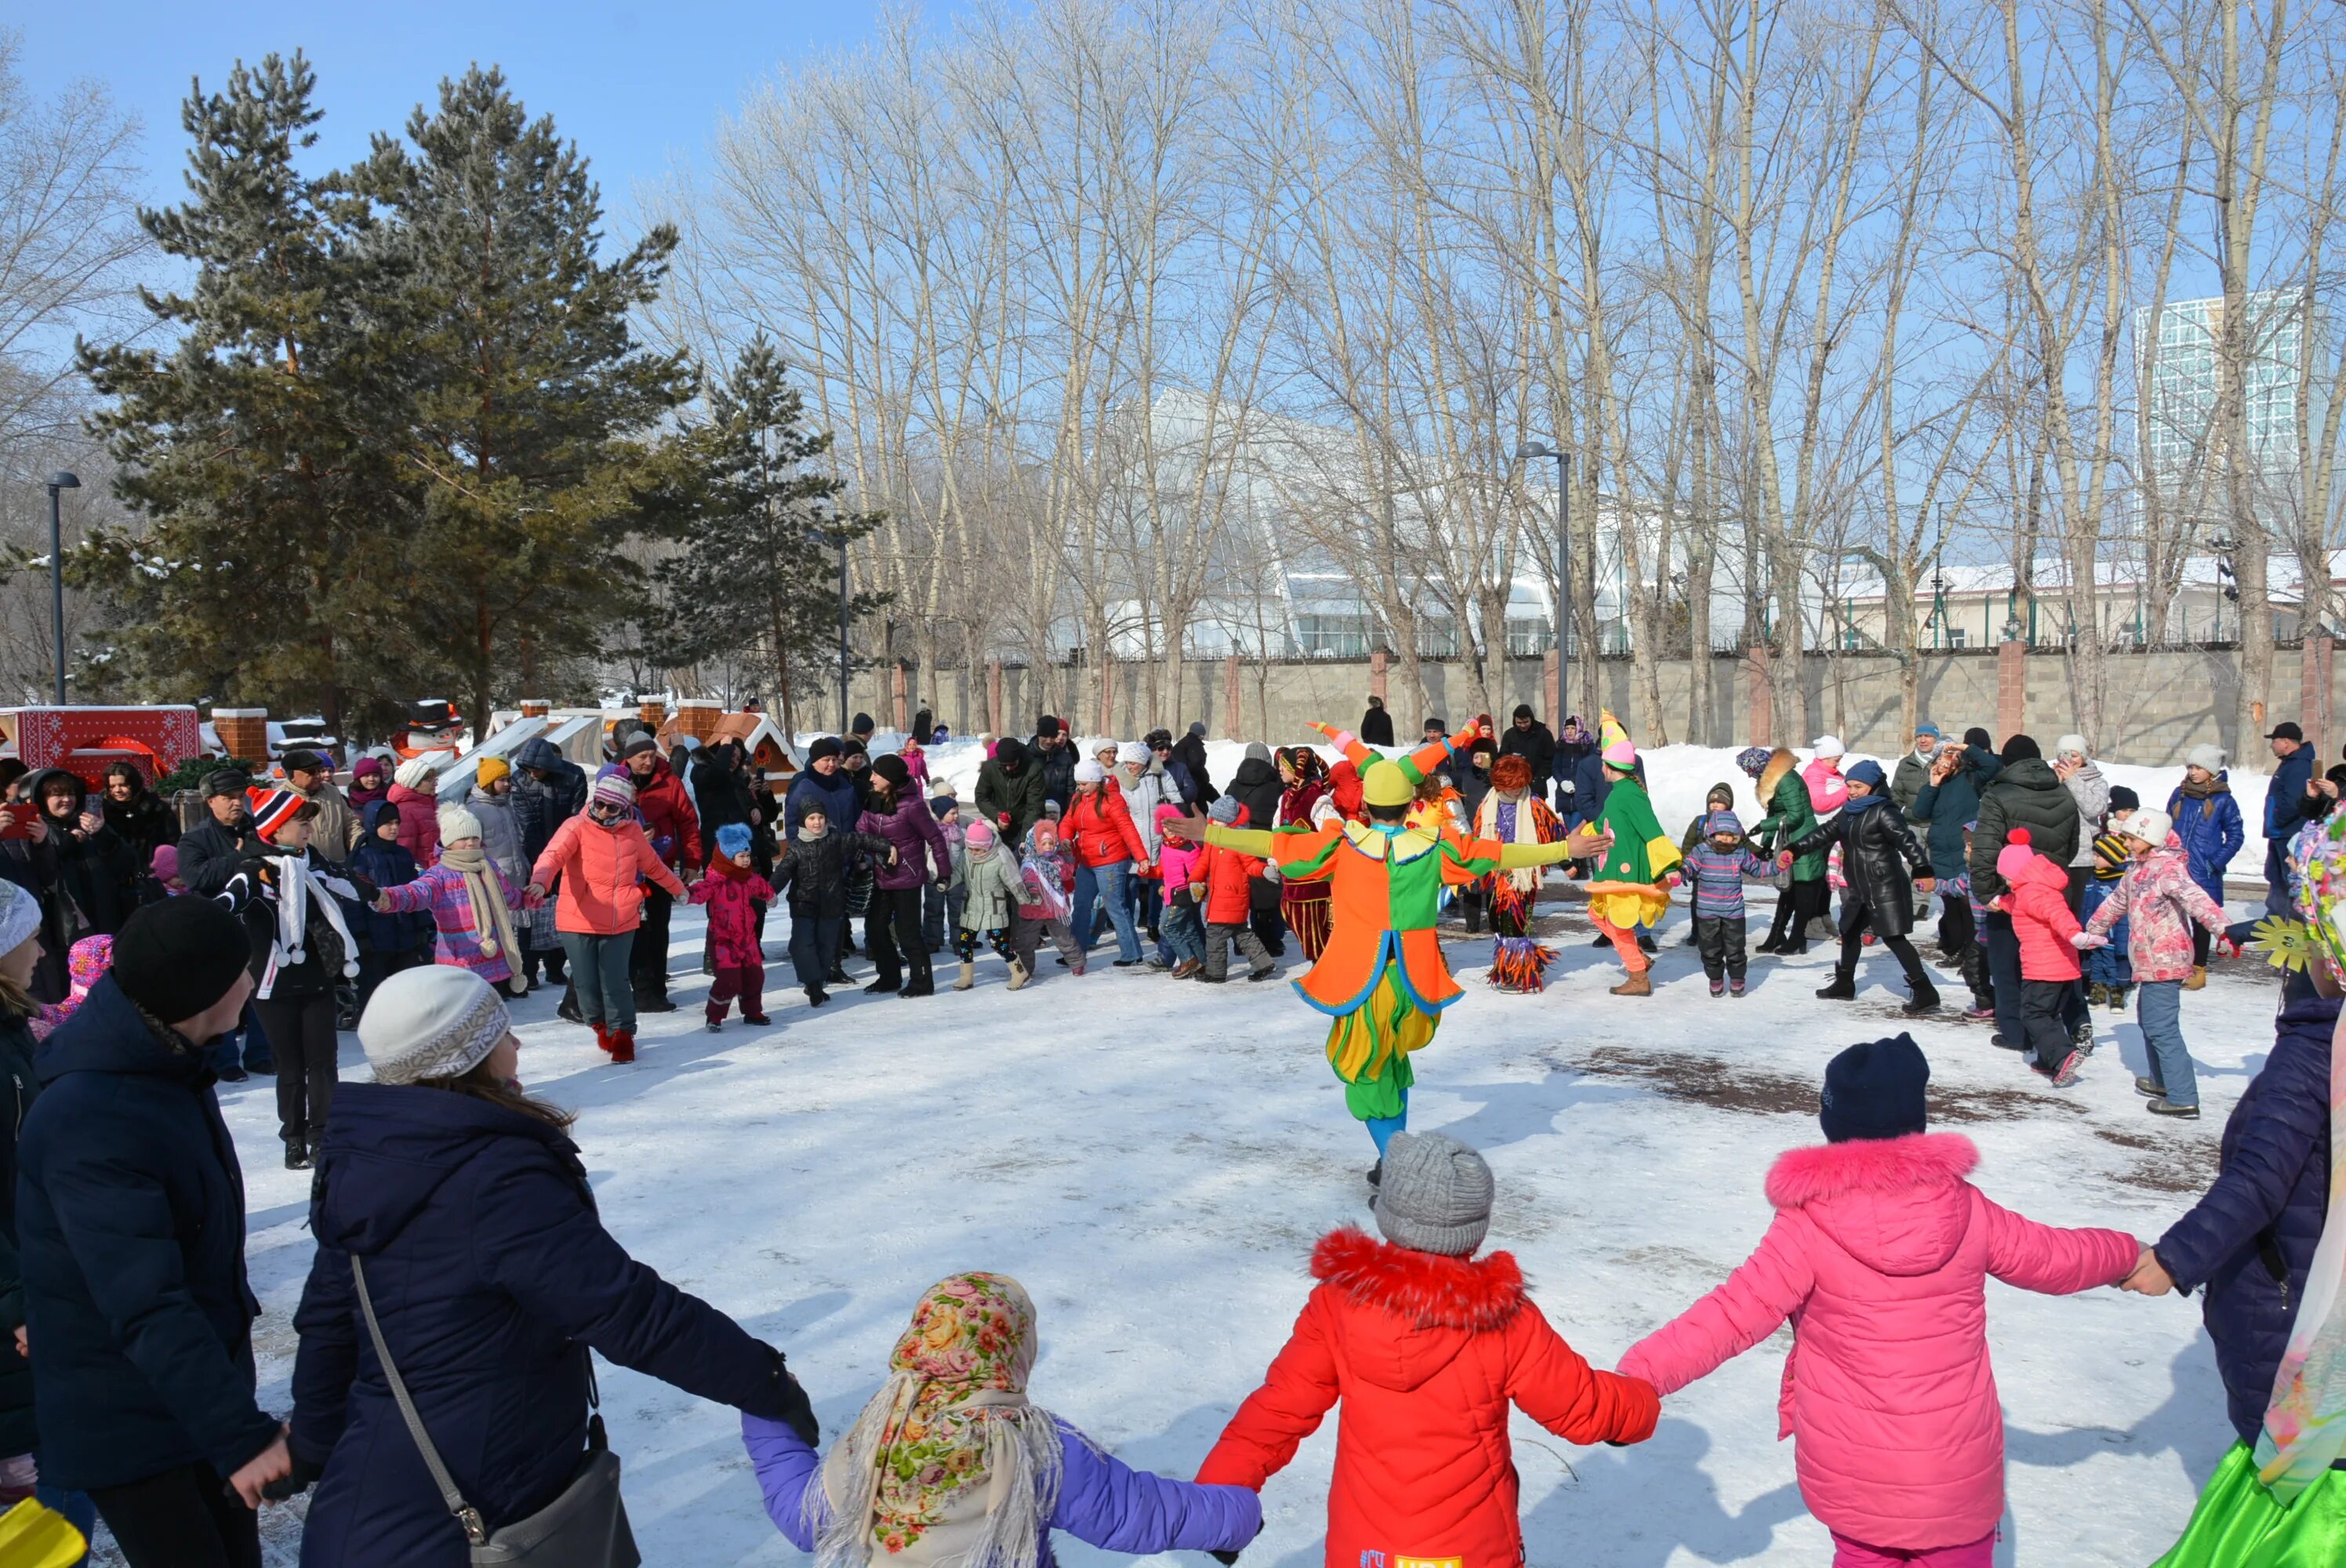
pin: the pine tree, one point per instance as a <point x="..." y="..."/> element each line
<point x="754" y="567"/>
<point x="535" y="444"/>
<point x="255" y="444"/>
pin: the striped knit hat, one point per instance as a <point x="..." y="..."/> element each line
<point x="614" y="790"/>
<point x="272" y="808"/>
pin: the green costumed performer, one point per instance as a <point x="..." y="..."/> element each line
<point x="1380" y="979"/>
<point x="2279" y="1498"/>
<point x="1631" y="888"/>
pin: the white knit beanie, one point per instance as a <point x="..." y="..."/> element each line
<point x="20" y="916"/>
<point x="2147" y="823"/>
<point x="2211" y="758"/>
<point x="1826" y="746"/>
<point x="1132" y="753"/>
<point x="2071" y="745"/>
<point x="435" y="1020"/>
<point x="412" y="772"/>
<point x="1090" y="772"/>
<point x="457" y="823"/>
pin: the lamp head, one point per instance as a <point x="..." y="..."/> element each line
<point x="61" y="480"/>
<point x="1531" y="449"/>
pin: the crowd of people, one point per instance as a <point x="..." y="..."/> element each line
<point x="444" y="1392"/>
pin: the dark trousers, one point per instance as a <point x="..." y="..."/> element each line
<point x="1852" y="948"/>
<point x="1268" y="925"/>
<point x="1721" y="938"/>
<point x="746" y="981"/>
<point x="1959" y="936"/>
<point x="647" y="960"/>
<point x="183" y="1518"/>
<point x="302" y="1033"/>
<point x="814" y="944"/>
<point x="892" y="921"/>
<point x="1218" y="950"/>
<point x="1795" y="907"/>
<point x="2043" y="1006"/>
<point x="374" y="968"/>
<point x="2003" y="975"/>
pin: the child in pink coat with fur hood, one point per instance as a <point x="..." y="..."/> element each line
<point x="1878" y="1256"/>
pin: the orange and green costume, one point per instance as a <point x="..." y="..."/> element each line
<point x="1382" y="978"/>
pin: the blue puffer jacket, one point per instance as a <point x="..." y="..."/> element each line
<point x="130" y="1234"/>
<point x="491" y="1276"/>
<point x="2263" y="1216"/>
<point x="2210" y="829"/>
<point x="386" y="864"/>
<point x="835" y="795"/>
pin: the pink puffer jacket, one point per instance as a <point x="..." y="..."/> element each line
<point x="2158" y="901"/>
<point x="1828" y="791"/>
<point x="1878" y="1256"/>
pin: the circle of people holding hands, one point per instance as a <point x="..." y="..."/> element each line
<point x="444" y="1402"/>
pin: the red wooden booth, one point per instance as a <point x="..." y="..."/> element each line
<point x="86" y="741"/>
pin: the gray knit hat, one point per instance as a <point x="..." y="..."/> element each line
<point x="434" y="1020"/>
<point x="1434" y="1194"/>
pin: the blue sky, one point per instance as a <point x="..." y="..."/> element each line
<point x="635" y="84"/>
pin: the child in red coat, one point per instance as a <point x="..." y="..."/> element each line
<point x="1228" y="902"/>
<point x="1426" y="1345"/>
<point x="2036" y="897"/>
<point x="732" y="892"/>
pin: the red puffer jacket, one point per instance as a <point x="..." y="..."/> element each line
<point x="1426" y="1352"/>
<point x="1099" y="826"/>
<point x="667" y="813"/>
<point x="2036" y="897"/>
<point x="1229" y="886"/>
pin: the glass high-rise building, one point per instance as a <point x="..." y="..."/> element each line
<point x="2178" y="361"/>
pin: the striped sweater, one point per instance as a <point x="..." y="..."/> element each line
<point x="1717" y="877"/>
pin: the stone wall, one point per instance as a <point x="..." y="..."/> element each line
<point x="2161" y="703"/>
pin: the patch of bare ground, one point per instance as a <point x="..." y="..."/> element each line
<point x="1727" y="1085"/>
<point x="2185" y="1163"/>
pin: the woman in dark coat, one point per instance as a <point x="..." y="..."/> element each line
<point x="1883" y="865"/>
<point x="2249" y="1242"/>
<point x="20" y="948"/>
<point x="893" y="921"/>
<point x="143" y="819"/>
<point x="491" y="1279"/>
<point x="1376" y="723"/>
<point x="94" y="863"/>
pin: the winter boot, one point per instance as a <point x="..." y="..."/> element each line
<point x="967" y="978"/>
<point x="1639" y="983"/>
<point x="2150" y="1090"/>
<point x="602" y="1037"/>
<point x="654" y="1001"/>
<point x="2162" y="1108"/>
<point x="569" y="1008"/>
<point x="1924" y="1000"/>
<point x="2118" y="998"/>
<point x="2066" y="1074"/>
<point x="1646" y="940"/>
<point x="1602" y="940"/>
<point x="2096" y="993"/>
<point x="716" y="1011"/>
<point x="297" y="1154"/>
<point x="884" y="985"/>
<point x="1719" y="988"/>
<point x="1019" y="975"/>
<point x="817" y="997"/>
<point x="1843" y="988"/>
<point x="1735" y="988"/>
<point x="622" y="1045"/>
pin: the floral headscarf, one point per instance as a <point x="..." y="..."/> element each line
<point x="914" y="1478"/>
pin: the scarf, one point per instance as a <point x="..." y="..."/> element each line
<point x="2305" y="1424"/>
<point x="1517" y="817"/>
<point x="492" y="920"/>
<point x="291" y="881"/>
<point x="2201" y="791"/>
<point x="809" y="835"/>
<point x="948" y="1466"/>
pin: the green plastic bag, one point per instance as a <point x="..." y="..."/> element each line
<point x="2240" y="1524"/>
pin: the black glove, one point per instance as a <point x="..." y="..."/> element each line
<point x="797" y="1411"/>
<point x="1226" y="1559"/>
<point x="294" y="1482"/>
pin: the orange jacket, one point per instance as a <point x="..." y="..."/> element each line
<point x="1426" y="1352"/>
<point x="1100" y="828"/>
<point x="1229" y="891"/>
<point x="602" y="870"/>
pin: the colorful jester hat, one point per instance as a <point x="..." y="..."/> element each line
<point x="1392" y="780"/>
<point x="2305" y="1424"/>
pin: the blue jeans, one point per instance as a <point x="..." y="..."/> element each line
<point x="1109" y="884"/>
<point x="2158" y="1008"/>
<point x="1148" y="900"/>
<point x="75" y="1506"/>
<point x="1184" y="933"/>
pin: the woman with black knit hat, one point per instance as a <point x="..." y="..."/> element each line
<point x="130" y="1231"/>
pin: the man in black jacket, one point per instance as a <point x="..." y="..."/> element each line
<point x="1530" y="739"/>
<point x="1883" y="865"/>
<point x="212" y="853"/>
<point x="131" y="1227"/>
<point x="1054" y="756"/>
<point x="2024" y="793"/>
<point x="1376" y="723"/>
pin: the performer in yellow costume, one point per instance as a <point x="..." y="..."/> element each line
<point x="1381" y="980"/>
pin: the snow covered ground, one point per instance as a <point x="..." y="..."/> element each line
<point x="1154" y="1160"/>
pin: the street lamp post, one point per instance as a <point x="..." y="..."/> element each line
<point x="841" y="540"/>
<point x="60" y="480"/>
<point x="1531" y="451"/>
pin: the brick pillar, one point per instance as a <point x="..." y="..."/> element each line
<point x="652" y="711"/>
<point x="243" y="732"/>
<point x="2011" y="689"/>
<point x="993" y="696"/>
<point x="2314" y="694"/>
<point x="1377" y="666"/>
<point x="535" y="708"/>
<point x="697" y="716"/>
<point x="1552" y="688"/>
<point x="897" y="695"/>
<point x="1231" y="724"/>
<point x="1761" y="702"/>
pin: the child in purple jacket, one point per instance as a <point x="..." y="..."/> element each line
<point x="949" y="1463"/>
<point x="1715" y="869"/>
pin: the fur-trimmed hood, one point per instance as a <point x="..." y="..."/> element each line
<point x="1897" y="1205"/>
<point x="1427" y="1288"/>
<point x="1779" y="763"/>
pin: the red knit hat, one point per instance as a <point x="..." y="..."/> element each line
<point x="272" y="808"/>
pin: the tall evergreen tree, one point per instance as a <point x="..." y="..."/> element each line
<point x="535" y="442"/>
<point x="754" y="567"/>
<point x="256" y="443"/>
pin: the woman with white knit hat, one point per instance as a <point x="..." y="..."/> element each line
<point x="461" y="1207"/>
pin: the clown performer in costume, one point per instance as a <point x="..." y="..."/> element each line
<point x="2265" y="1249"/>
<point x="1381" y="980"/>
<point x="1631" y="889"/>
<point x="1512" y="813"/>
